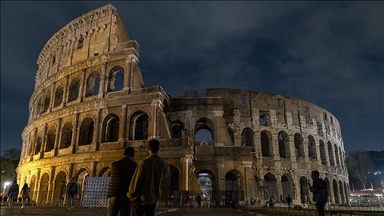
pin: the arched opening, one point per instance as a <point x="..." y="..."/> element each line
<point x="60" y="186"/>
<point x="342" y="201"/>
<point x="287" y="185"/>
<point x="304" y="191"/>
<point x="43" y="190"/>
<point x="177" y="129"/>
<point x="103" y="172"/>
<point x="139" y="126"/>
<point x="204" y="130"/>
<point x="83" y="174"/>
<point x="58" y="96"/>
<point x="330" y="154"/>
<point x="86" y="132"/>
<point x="74" y="88"/>
<point x="39" y="141"/>
<point x="269" y="186"/>
<point x="328" y="189"/>
<point x="47" y="100"/>
<point x="337" y="155"/>
<point x="265" y="144"/>
<point x="32" y="185"/>
<point x="311" y="147"/>
<point x="50" y="144"/>
<point x="247" y="137"/>
<point x="115" y="79"/>
<point x="233" y="190"/>
<point x="111" y="128"/>
<point x="323" y="157"/>
<point x="66" y="136"/>
<point x="283" y="140"/>
<point x="172" y="185"/>
<point x="206" y="179"/>
<point x="298" y="141"/>
<point x="93" y="85"/>
<point x="335" y="192"/>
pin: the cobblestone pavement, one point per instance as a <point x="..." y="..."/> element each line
<point x="61" y="211"/>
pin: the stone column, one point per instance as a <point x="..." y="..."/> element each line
<point x="50" y="186"/>
<point x="66" y="91"/>
<point x="103" y="82"/>
<point x="93" y="168"/>
<point x="35" y="195"/>
<point x="98" y="130"/>
<point x="152" y="132"/>
<point x="123" y="124"/>
<point x="75" y="133"/>
<point x="57" y="137"/>
<point x="43" y="141"/>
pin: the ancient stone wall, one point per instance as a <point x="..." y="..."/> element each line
<point x="90" y="103"/>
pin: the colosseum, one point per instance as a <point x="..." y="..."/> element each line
<point x="90" y="102"/>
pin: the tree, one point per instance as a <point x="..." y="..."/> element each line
<point x="12" y="154"/>
<point x="359" y="165"/>
<point x="7" y="170"/>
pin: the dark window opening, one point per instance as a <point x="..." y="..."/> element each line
<point x="80" y="43"/>
<point x="244" y="99"/>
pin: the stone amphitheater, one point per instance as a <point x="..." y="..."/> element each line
<point x="90" y="102"/>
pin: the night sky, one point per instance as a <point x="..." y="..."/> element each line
<point x="328" y="53"/>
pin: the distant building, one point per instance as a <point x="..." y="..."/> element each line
<point x="90" y="103"/>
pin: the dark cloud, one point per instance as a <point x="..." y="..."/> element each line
<point x="329" y="53"/>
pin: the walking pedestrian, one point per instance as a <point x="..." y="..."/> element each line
<point x="145" y="187"/>
<point x="121" y="176"/>
<point x="186" y="201"/>
<point x="198" y="201"/>
<point x="24" y="194"/>
<point x="13" y="192"/>
<point x="71" y="192"/>
<point x="320" y="193"/>
<point x="288" y="199"/>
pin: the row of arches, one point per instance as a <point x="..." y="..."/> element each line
<point x="67" y="90"/>
<point x="61" y="138"/>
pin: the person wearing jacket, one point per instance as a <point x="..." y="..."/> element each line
<point x="320" y="193"/>
<point x="145" y="187"/>
<point x="121" y="176"/>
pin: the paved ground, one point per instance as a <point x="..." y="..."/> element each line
<point x="61" y="211"/>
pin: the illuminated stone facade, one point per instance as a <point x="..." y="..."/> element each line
<point x="90" y="103"/>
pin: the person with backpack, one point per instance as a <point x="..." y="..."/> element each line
<point x="71" y="192"/>
<point x="320" y="193"/>
<point x="24" y="194"/>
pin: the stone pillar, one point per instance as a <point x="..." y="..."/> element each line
<point x="58" y="136"/>
<point x="43" y="141"/>
<point x="35" y="195"/>
<point x="237" y="129"/>
<point x="123" y="124"/>
<point x="66" y="91"/>
<point x="93" y="168"/>
<point x="152" y="133"/>
<point x="52" y="98"/>
<point x="103" y="82"/>
<point x="75" y="133"/>
<point x="50" y="186"/>
<point x="82" y="88"/>
<point x="98" y="130"/>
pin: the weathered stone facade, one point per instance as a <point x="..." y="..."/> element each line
<point x="90" y="103"/>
